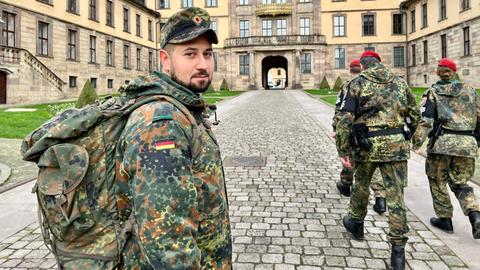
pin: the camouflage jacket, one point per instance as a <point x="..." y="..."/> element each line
<point x="380" y="100"/>
<point x="173" y="182"/>
<point x="338" y="102"/>
<point x="457" y="107"/>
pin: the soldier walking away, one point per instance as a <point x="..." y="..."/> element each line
<point x="372" y="131"/>
<point x="169" y="160"/>
<point x="346" y="175"/>
<point x="451" y="120"/>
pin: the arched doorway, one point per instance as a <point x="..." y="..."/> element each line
<point x="274" y="72"/>
<point x="3" y="88"/>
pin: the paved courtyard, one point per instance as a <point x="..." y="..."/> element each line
<point x="285" y="212"/>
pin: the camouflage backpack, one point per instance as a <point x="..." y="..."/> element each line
<point x="77" y="201"/>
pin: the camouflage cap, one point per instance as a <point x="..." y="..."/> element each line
<point x="187" y="25"/>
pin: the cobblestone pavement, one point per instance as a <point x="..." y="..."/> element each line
<point x="10" y="155"/>
<point x="286" y="214"/>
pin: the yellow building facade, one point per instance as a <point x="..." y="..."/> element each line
<point x="438" y="29"/>
<point x="50" y="48"/>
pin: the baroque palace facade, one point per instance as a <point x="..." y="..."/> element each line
<point x="51" y="47"/>
<point x="295" y="43"/>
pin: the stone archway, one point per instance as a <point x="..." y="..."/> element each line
<point x="275" y="68"/>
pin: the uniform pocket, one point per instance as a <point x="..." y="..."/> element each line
<point x="61" y="191"/>
<point x="213" y="230"/>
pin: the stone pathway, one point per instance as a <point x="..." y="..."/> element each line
<point x="21" y="171"/>
<point x="286" y="214"/>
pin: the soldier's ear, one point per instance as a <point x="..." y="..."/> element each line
<point x="165" y="61"/>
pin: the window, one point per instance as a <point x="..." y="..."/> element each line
<point x="138" y="26"/>
<point x="43" y="38"/>
<point x="398" y="56"/>
<point x="339" y="58"/>
<point x="412" y="21"/>
<point x="109" y="61"/>
<point x="93" y="81"/>
<point x="244" y="64"/>
<point x="243" y="2"/>
<point x="72" y="45"/>
<point x="72" y="81"/>
<point x="215" y="63"/>
<point x="244" y="28"/>
<point x="8" y="31"/>
<point x="72" y="6"/>
<point x="92" y="10"/>
<point x="110" y="83"/>
<point x="425" y="78"/>
<point x="109" y="9"/>
<point x="266" y="1"/>
<point x="465" y="4"/>
<point x="139" y="57"/>
<point x="213" y="25"/>
<point x="425" y="52"/>
<point x="150" y="61"/>
<point x="306" y="63"/>
<point x="210" y="3"/>
<point x="45" y="1"/>
<point x="443" y="41"/>
<point x="150" y="30"/>
<point x="443" y="9"/>
<point x="126" y="19"/>
<point x="126" y="56"/>
<point x="370" y="48"/>
<point x="424" y="15"/>
<point x="305" y="1"/>
<point x="127" y="82"/>
<point x="414" y="55"/>
<point x="93" y="49"/>
<point x="466" y="41"/>
<point x="281" y="1"/>
<point x="279" y="72"/>
<point x="163" y="4"/>
<point x="282" y="27"/>
<point x="266" y="27"/>
<point x="339" y="26"/>
<point x="368" y="25"/>
<point x="304" y="26"/>
<point x="398" y="24"/>
<point x="187" y="3"/>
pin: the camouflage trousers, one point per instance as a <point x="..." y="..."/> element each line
<point x="346" y="177"/>
<point x="456" y="172"/>
<point x="394" y="179"/>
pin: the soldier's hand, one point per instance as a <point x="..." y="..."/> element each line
<point x="346" y="161"/>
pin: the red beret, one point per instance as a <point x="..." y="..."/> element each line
<point x="355" y="63"/>
<point x="445" y="62"/>
<point x="371" y="54"/>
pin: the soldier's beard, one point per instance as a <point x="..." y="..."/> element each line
<point x="196" y="88"/>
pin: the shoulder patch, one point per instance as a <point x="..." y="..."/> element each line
<point x="163" y="112"/>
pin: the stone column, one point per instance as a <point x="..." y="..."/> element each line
<point x="252" y="71"/>
<point x="296" y="70"/>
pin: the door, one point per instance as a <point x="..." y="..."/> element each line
<point x="3" y="88"/>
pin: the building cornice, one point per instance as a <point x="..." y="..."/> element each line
<point x="140" y="6"/>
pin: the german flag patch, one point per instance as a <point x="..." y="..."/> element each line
<point x="164" y="145"/>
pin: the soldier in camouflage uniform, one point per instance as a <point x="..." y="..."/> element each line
<point x="451" y="119"/>
<point x="374" y="112"/>
<point x="346" y="175"/>
<point x="169" y="160"/>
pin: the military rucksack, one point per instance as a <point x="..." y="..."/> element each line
<point x="77" y="201"/>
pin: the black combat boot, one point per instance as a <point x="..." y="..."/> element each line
<point x="380" y="205"/>
<point x="344" y="189"/>
<point x="444" y="224"/>
<point x="474" y="217"/>
<point x="398" y="257"/>
<point x="354" y="226"/>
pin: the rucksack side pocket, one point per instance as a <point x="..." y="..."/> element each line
<point x="61" y="192"/>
